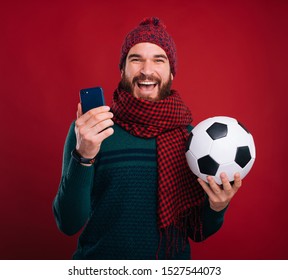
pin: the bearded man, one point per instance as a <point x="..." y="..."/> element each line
<point x="137" y="198"/>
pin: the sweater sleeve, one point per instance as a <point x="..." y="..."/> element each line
<point x="71" y="206"/>
<point x="212" y="222"/>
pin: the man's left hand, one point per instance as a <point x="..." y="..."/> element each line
<point x="219" y="197"/>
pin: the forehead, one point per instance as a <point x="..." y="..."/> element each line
<point x="146" y="50"/>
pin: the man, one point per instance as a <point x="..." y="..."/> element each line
<point x="133" y="192"/>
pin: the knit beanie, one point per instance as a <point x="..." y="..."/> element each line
<point x="150" y="30"/>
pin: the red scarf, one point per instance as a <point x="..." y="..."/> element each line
<point x="167" y="120"/>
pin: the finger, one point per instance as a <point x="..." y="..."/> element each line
<point x="95" y="141"/>
<point x="237" y="181"/>
<point x="92" y="112"/>
<point x="215" y="188"/>
<point x="101" y="126"/>
<point x="79" y="110"/>
<point x="225" y="183"/>
<point x="100" y="109"/>
<point x="98" y="118"/>
<point x="206" y="188"/>
<point x="104" y="134"/>
<point x="95" y="124"/>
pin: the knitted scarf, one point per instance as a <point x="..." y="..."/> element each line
<point x="167" y="120"/>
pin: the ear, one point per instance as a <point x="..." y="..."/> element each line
<point x="122" y="73"/>
<point x="172" y="77"/>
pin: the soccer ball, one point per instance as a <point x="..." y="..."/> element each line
<point x="220" y="144"/>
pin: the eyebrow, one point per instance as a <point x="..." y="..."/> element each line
<point x="155" y="56"/>
<point x="161" y="56"/>
<point x="134" y="55"/>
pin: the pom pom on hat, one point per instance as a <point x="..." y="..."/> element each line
<point x="152" y="20"/>
<point x="150" y="30"/>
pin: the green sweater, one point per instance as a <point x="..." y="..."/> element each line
<point x="115" y="200"/>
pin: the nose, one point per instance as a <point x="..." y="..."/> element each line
<point x="147" y="68"/>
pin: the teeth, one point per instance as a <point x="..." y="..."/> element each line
<point x="147" y="83"/>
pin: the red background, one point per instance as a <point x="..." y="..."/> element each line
<point x="232" y="61"/>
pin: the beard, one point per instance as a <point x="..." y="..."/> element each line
<point x="163" y="92"/>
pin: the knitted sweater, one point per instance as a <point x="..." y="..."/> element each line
<point x="115" y="200"/>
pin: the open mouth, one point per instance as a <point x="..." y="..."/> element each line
<point x="146" y="85"/>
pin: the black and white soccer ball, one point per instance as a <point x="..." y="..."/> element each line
<point x="220" y="144"/>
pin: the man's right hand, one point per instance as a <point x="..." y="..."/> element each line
<point x="91" y="129"/>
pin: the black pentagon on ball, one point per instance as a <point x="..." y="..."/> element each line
<point x="208" y="165"/>
<point x="189" y="141"/>
<point x="217" y="130"/>
<point x="243" y="156"/>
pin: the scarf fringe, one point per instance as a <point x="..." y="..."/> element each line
<point x="176" y="234"/>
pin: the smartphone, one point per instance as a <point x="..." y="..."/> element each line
<point x="91" y="98"/>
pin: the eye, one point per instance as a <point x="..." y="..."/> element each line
<point x="159" y="60"/>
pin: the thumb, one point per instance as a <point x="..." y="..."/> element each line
<point x="79" y="111"/>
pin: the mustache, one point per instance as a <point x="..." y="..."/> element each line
<point x="142" y="77"/>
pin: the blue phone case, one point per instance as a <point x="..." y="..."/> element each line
<point x="91" y="98"/>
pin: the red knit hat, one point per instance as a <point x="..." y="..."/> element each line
<point x="150" y="30"/>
